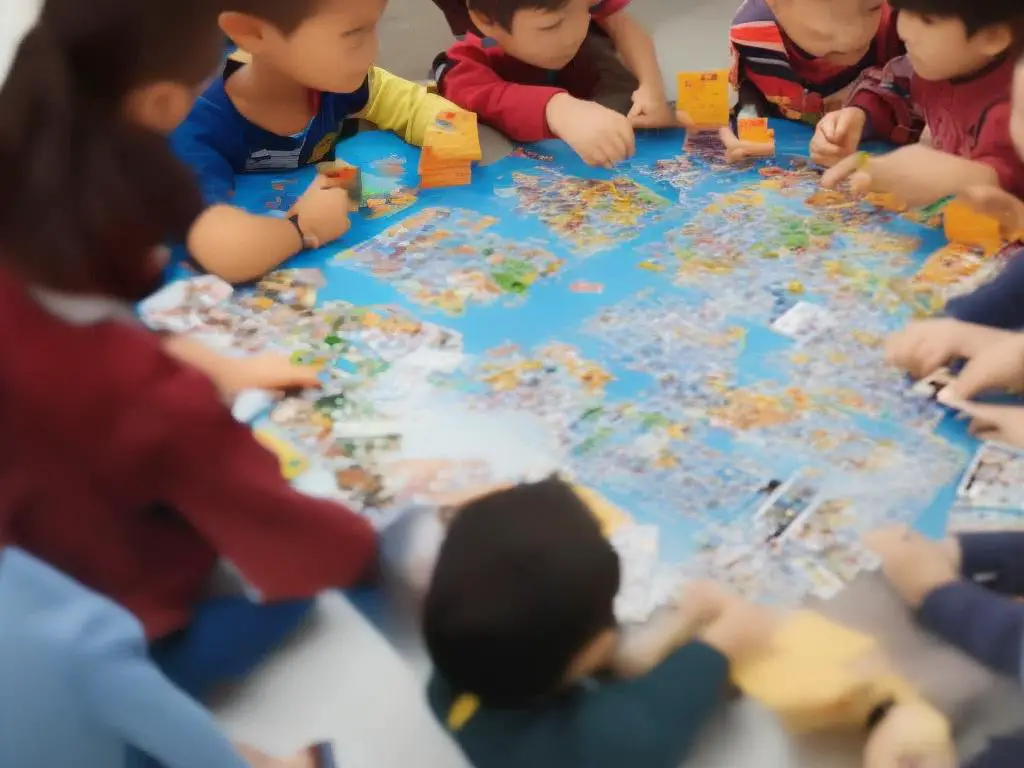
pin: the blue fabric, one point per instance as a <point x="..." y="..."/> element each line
<point x="994" y="559"/>
<point x="227" y="639"/>
<point x="217" y="142"/>
<point x="77" y="686"/>
<point x="1004" y="752"/>
<point x="986" y="626"/>
<point x="999" y="303"/>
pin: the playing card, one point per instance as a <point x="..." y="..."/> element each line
<point x="994" y="479"/>
<point x="804" y="322"/>
<point x="931" y="386"/>
<point x="637" y="546"/>
<point x="178" y="307"/>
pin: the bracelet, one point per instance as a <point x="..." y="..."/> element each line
<point x="307" y="241"/>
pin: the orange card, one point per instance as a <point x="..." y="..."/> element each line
<point x="963" y="224"/>
<point x="704" y="96"/>
<point x="755" y="130"/>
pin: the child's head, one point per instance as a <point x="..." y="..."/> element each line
<point x="947" y="39"/>
<point x="521" y="599"/>
<point x="90" y="185"/>
<point x="544" y="33"/>
<point x="326" y="45"/>
<point x="840" y="31"/>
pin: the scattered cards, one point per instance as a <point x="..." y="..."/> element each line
<point x="805" y="322"/>
<point x="995" y="478"/>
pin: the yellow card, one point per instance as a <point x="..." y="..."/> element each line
<point x="704" y="96"/>
<point x="454" y="136"/>
<point x="963" y="224"/>
<point x="293" y="463"/>
<point x="755" y="130"/>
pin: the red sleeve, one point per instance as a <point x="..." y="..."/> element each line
<point x="518" y="111"/>
<point x="995" y="149"/>
<point x="230" y="489"/>
<point x="885" y="95"/>
<point x="605" y="8"/>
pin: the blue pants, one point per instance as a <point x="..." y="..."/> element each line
<point x="228" y="638"/>
<point x="999" y="303"/>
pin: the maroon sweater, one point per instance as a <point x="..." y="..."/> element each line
<point x="123" y="468"/>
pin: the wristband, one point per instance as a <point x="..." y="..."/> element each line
<point x="307" y="241"/>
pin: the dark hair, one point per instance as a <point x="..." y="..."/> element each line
<point x="503" y="12"/>
<point x="975" y="14"/>
<point x="523" y="582"/>
<point x="286" y="15"/>
<point x="87" y="194"/>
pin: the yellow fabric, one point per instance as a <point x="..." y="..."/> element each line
<point x="462" y="711"/>
<point x="402" y="107"/>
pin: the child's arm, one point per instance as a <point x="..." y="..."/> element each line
<point x="885" y="97"/>
<point x="230" y="489"/>
<point x="998" y="303"/>
<point x="635" y="46"/>
<point x="996" y="160"/>
<point x="401" y="106"/>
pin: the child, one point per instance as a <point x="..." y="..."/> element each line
<point x="307" y="74"/>
<point x="518" y="621"/>
<point x="963" y="590"/>
<point x="957" y="73"/>
<point x="799" y="58"/>
<point x="527" y="78"/>
<point x="122" y="467"/>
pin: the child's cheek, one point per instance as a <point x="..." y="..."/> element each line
<point x="1017" y="116"/>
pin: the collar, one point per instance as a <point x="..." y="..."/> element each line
<point x="86" y="309"/>
<point x="979" y="74"/>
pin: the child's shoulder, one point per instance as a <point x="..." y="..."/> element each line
<point x="478" y="48"/>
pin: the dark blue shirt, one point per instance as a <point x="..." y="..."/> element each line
<point x="999" y="304"/>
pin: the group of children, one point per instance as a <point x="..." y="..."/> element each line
<point x="123" y="468"/>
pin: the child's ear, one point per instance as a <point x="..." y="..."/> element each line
<point x="246" y="32"/>
<point x="486" y="26"/>
<point x="995" y="39"/>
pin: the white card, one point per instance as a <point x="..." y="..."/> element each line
<point x="804" y="321"/>
<point x="637" y="546"/>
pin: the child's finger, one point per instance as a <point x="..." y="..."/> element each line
<point x="841" y="171"/>
<point x="861" y="182"/>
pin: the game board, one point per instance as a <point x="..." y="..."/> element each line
<point x="700" y="345"/>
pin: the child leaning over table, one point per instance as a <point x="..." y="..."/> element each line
<point x="528" y="79"/>
<point x="122" y="466"/>
<point x="955" y="80"/>
<point x="306" y="75"/>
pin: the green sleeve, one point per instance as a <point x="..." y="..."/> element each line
<point x="654" y="720"/>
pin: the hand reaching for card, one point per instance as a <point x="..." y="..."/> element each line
<point x="600" y="136"/>
<point x="267" y="371"/>
<point x="912" y="734"/>
<point x="743" y="629"/>
<point x="998" y="423"/>
<point x="914" y="566"/>
<point x="838" y="135"/>
<point x="998" y="364"/>
<point x="910" y="174"/>
<point x="1000" y="205"/>
<point x="650" y="109"/>
<point x="925" y="345"/>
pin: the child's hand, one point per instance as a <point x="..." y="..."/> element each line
<point x="650" y="109"/>
<point x="906" y="173"/>
<point x="600" y="136"/>
<point x="743" y="629"/>
<point x="323" y="212"/>
<point x="925" y="345"/>
<point x="911" y="735"/>
<point x="737" y="151"/>
<point x="914" y="565"/>
<point x="267" y="371"/>
<point x="1000" y="205"/>
<point x="838" y="135"/>
<point x="999" y="423"/>
<point x="999" y="364"/>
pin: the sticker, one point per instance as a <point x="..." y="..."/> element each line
<point x="805" y="322"/>
<point x="994" y="479"/>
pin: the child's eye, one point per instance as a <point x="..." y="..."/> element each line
<point x="551" y="27"/>
<point x="926" y="19"/>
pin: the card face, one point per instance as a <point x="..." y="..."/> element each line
<point x="995" y="478"/>
<point x="804" y="322"/>
<point x="932" y="385"/>
<point x="785" y="507"/>
<point x="180" y="306"/>
<point x="637" y="546"/>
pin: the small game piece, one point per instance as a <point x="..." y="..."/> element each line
<point x="931" y="386"/>
<point x="755" y="130"/>
<point x="704" y="97"/>
<point x="451" y="146"/>
<point x="347" y="176"/>
<point x="963" y="224"/>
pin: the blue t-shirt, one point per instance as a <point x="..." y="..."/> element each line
<point x="217" y="141"/>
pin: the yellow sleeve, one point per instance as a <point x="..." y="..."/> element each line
<point x="402" y="107"/>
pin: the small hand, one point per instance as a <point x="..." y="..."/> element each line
<point x="1000" y="205"/>
<point x="699" y="603"/>
<point x="905" y="173"/>
<point x="998" y="364"/>
<point x="912" y="734"/>
<point x="743" y="629"/>
<point x="600" y="136"/>
<point x="323" y="211"/>
<point x="737" y="151"/>
<point x="915" y="566"/>
<point x="925" y="345"/>
<point x="650" y="109"/>
<point x="266" y="371"/>
<point x="998" y="423"/>
<point x="838" y="135"/>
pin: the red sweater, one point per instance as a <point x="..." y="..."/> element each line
<point x="969" y="117"/>
<point x="123" y="468"/>
<point x="508" y="94"/>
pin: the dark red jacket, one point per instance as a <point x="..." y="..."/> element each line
<point x="969" y="117"/>
<point x="508" y="94"/>
<point x="123" y="468"/>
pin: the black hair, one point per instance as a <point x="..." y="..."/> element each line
<point x="286" y="15"/>
<point x="523" y="582"/>
<point x="503" y="12"/>
<point x="87" y="193"/>
<point x="975" y="14"/>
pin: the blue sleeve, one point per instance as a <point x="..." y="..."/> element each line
<point x="999" y="304"/>
<point x="995" y="560"/>
<point x="653" y="721"/>
<point x="210" y="142"/>
<point x="128" y="696"/>
<point x="985" y="626"/>
<point x="1002" y="752"/>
